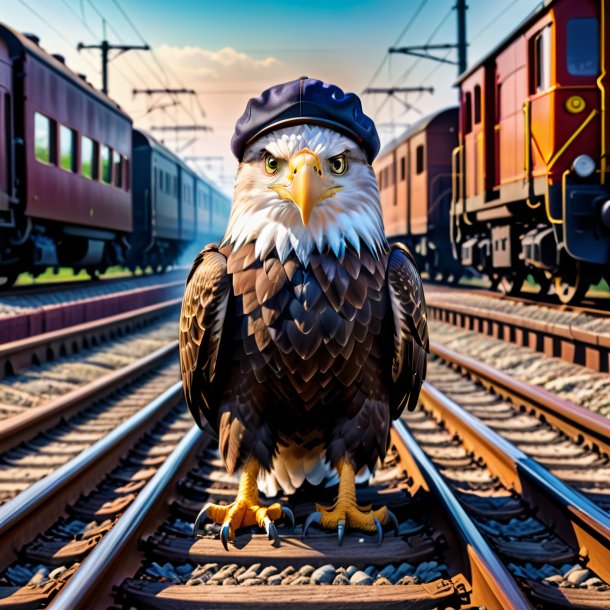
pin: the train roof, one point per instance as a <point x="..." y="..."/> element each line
<point x="418" y="126"/>
<point x="149" y="140"/>
<point x="18" y="43"/>
<point x="531" y="18"/>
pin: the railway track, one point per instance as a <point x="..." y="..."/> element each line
<point x="480" y="524"/>
<point x="577" y="335"/>
<point x="60" y="310"/>
<point x="502" y="492"/>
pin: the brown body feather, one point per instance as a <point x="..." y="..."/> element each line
<point x="272" y="352"/>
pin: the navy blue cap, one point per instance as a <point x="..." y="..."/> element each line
<point x="305" y="100"/>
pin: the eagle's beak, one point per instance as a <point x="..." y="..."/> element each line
<point x="305" y="184"/>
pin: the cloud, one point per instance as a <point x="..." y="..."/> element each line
<point x="226" y="64"/>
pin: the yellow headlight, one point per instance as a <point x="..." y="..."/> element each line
<point x="575" y="104"/>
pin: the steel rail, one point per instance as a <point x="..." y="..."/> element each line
<point x="525" y="298"/>
<point x="20" y="354"/>
<point x="45" y="499"/>
<point x="577" y="519"/>
<point x="82" y="588"/>
<point x="572" y="419"/>
<point x="492" y="584"/>
<point x="24" y="426"/>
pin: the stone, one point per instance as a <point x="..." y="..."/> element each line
<point x="324" y="574"/>
<point x="361" y="578"/>
<point x="267" y="572"/>
<point x="350" y="571"/>
<point x="578" y="576"/>
<point x="274" y="580"/>
<point x="341" y="579"/>
<point x="306" y="570"/>
<point x="381" y="580"/>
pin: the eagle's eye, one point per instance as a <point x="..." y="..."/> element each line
<point x="338" y="164"/>
<point x="271" y="164"/>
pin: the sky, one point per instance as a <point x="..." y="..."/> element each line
<point x="228" y="51"/>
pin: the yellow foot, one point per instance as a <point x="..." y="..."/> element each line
<point x="347" y="513"/>
<point x="243" y="513"/>
<point x="355" y="517"/>
<point x="246" y="511"/>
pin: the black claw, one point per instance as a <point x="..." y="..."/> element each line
<point x="313" y="518"/>
<point x="341" y="530"/>
<point x="379" y="530"/>
<point x="200" y="517"/>
<point x="224" y="536"/>
<point x="394" y="520"/>
<point x="289" y="516"/>
<point x="271" y="531"/>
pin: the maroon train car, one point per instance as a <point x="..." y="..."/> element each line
<point x="414" y="176"/>
<point x="532" y="192"/>
<point x="65" y="152"/>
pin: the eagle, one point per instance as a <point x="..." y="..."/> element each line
<point x="303" y="334"/>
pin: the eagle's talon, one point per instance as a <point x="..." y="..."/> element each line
<point x="225" y="533"/>
<point x="341" y="530"/>
<point x="272" y="531"/>
<point x="392" y="517"/>
<point x="379" y="530"/>
<point x="289" y="516"/>
<point x="203" y="513"/>
<point x="315" y="517"/>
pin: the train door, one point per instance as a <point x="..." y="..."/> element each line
<point x="495" y="166"/>
<point x="5" y="150"/>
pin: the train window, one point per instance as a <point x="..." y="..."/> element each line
<point x="127" y="174"/>
<point x="67" y="148"/>
<point x="89" y="158"/>
<point x="45" y="138"/>
<point x="467" y="113"/>
<point x="583" y="47"/>
<point x="106" y="164"/>
<point x="542" y="60"/>
<point x="419" y="159"/>
<point x="117" y="161"/>
<point x="402" y="168"/>
<point x="477" y="104"/>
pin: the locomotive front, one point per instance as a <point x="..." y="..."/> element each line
<point x="531" y="185"/>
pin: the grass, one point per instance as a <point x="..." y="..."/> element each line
<point x="65" y="274"/>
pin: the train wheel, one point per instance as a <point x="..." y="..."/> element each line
<point x="510" y="283"/>
<point x="571" y="285"/>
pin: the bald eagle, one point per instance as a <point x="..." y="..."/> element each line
<point x="303" y="334"/>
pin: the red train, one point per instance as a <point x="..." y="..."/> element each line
<point x="530" y="182"/>
<point x="66" y="194"/>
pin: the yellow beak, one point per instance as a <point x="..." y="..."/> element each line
<point x="306" y="187"/>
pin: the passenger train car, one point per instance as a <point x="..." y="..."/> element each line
<point x="414" y="175"/>
<point x="67" y="156"/>
<point x="530" y="191"/>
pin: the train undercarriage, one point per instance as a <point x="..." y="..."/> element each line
<point x="36" y="247"/>
<point x="508" y="252"/>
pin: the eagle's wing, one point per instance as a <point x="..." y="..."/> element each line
<point x="202" y="319"/>
<point x="410" y="330"/>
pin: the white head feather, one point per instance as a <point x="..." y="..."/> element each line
<point x="350" y="216"/>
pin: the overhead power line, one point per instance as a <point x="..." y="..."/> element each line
<point x="105" y="47"/>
